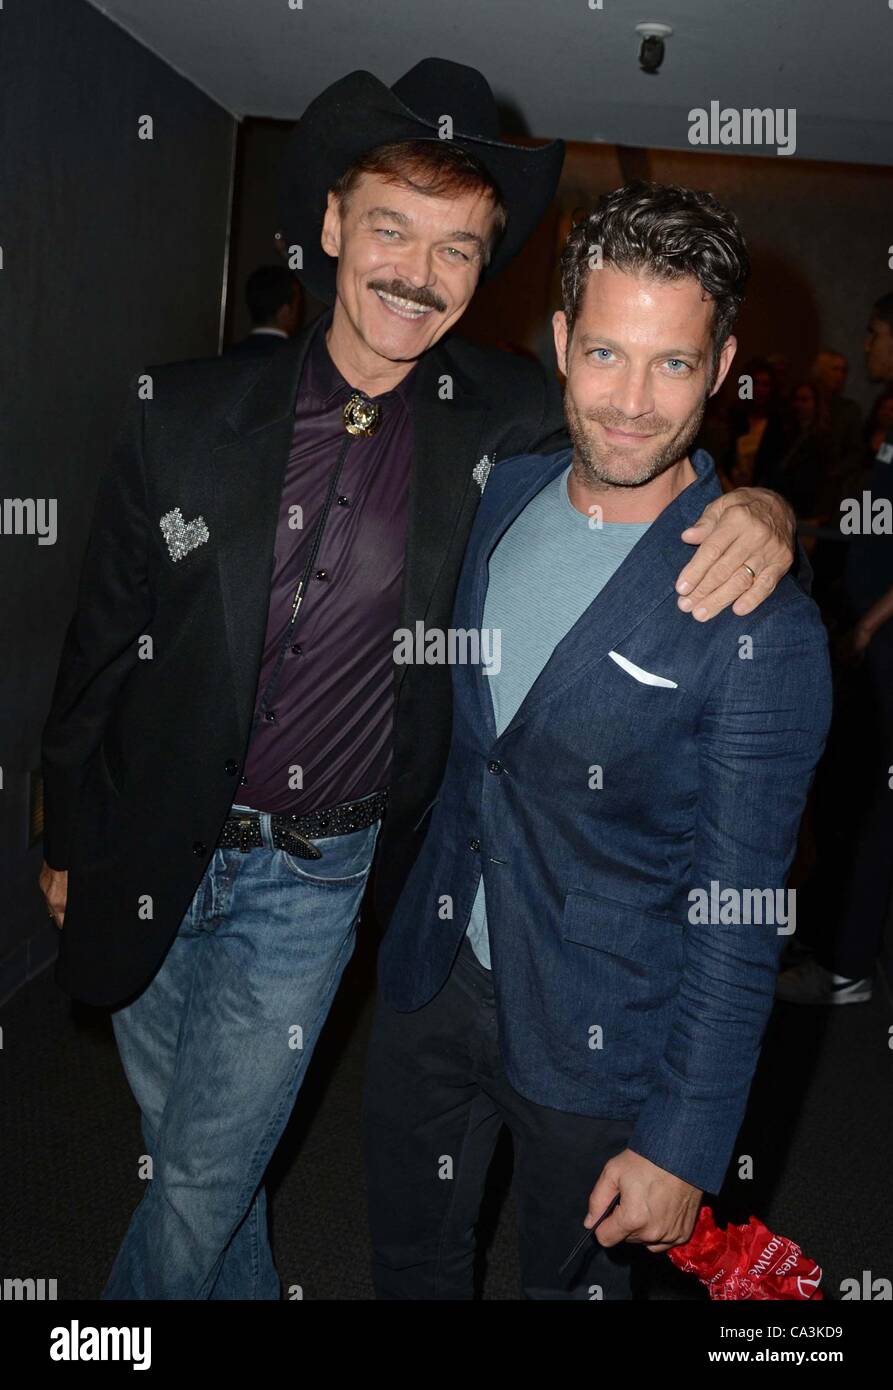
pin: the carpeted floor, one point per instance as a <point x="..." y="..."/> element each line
<point x="819" y="1129"/>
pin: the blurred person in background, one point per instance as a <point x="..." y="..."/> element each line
<point x="829" y="374"/>
<point x="806" y="476"/>
<point x="755" y="439"/>
<point x="878" y="425"/>
<point x="780" y="368"/>
<point x="850" y="893"/>
<point x="802" y="470"/>
<point x="273" y="296"/>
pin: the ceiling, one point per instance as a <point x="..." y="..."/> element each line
<point x="566" y="69"/>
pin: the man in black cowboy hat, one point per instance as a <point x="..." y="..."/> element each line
<point x="229" y="722"/>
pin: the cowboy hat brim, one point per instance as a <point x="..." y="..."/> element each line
<point x="356" y="114"/>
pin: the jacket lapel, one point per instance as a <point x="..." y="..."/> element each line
<point x="643" y="581"/>
<point x="528" y="477"/>
<point x="443" y="495"/>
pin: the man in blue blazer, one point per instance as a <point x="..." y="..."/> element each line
<point x="587" y="945"/>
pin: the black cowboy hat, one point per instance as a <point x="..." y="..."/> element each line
<point x="359" y="112"/>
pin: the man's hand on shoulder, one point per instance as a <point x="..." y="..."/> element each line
<point x="656" y="1209"/>
<point x="748" y="527"/>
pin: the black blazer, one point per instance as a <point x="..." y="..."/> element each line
<point x="152" y="708"/>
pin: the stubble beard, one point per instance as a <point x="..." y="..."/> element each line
<point x="597" y="467"/>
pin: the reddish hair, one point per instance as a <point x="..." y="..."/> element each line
<point x="435" y="167"/>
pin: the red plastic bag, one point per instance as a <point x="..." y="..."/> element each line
<point x="746" y="1261"/>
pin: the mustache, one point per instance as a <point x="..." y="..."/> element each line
<point x="614" y="421"/>
<point x="424" y="297"/>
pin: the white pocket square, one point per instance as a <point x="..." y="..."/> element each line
<point x="646" y="677"/>
<point x="182" y="536"/>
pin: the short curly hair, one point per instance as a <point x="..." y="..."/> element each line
<point x="669" y="232"/>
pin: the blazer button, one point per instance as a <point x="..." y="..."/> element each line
<point x="494" y="766"/>
<point x="198" y="847"/>
<point x="231" y="767"/>
<point x="475" y="845"/>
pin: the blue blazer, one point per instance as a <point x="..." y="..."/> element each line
<point x="606" y="803"/>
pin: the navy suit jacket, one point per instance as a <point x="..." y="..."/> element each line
<point x="606" y="803"/>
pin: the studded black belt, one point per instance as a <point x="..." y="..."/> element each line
<point x="295" y="833"/>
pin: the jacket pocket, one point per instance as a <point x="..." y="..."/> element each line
<point x="625" y="965"/>
<point x="619" y="929"/>
<point x="638" y="673"/>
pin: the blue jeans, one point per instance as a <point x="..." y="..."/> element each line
<point x="215" y="1050"/>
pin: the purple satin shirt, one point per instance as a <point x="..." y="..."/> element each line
<point x="324" y="705"/>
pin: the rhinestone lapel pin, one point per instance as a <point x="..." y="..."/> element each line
<point x="481" y="471"/>
<point x="182" y="536"/>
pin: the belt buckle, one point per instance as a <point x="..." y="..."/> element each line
<point x="244" y="823"/>
<point x="307" y="849"/>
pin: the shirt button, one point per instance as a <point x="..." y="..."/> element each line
<point x="494" y="766"/>
<point x="270" y="716"/>
<point x="321" y="574"/>
<point x="198" y="847"/>
<point x="475" y="845"/>
<point x="297" y="649"/>
<point x="231" y="766"/>
<point x="343" y="501"/>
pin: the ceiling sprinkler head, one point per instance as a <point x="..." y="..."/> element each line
<point x="651" y="52"/>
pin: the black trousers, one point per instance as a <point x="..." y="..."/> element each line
<point x="436" y="1098"/>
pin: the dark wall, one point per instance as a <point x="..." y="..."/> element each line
<point x="113" y="257"/>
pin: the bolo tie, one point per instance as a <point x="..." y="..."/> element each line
<point x="361" y="418"/>
<point x="360" y="415"/>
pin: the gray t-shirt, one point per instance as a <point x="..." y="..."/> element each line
<point x="543" y="575"/>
